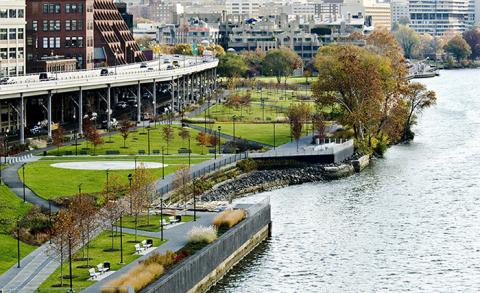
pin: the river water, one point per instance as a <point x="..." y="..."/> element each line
<point x="410" y="222"/>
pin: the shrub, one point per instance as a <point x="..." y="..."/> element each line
<point x="201" y="234"/>
<point x="247" y="165"/>
<point x="138" y="278"/>
<point x="166" y="260"/>
<point x="228" y="219"/>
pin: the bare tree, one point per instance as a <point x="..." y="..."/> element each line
<point x="125" y="127"/>
<point x="58" y="137"/>
<point x="295" y="116"/>
<point x="182" y="183"/>
<point x="167" y="133"/>
<point x="83" y="208"/>
<point x="140" y="194"/>
<point x="113" y="207"/>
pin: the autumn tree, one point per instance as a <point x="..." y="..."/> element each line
<point x="182" y="183"/>
<point x="472" y="37"/>
<point x="113" y="206"/>
<point x="213" y="140"/>
<point x="202" y="139"/>
<point x="58" y="138"/>
<point x="183" y="49"/>
<point x="141" y="193"/>
<point x="418" y="98"/>
<point x="125" y="127"/>
<point x="319" y="125"/>
<point x="458" y="47"/>
<point x="65" y="235"/>
<point x="231" y="66"/>
<point x="408" y="40"/>
<point x="184" y="134"/>
<point x="83" y="208"/>
<point x="295" y="115"/>
<point x="254" y="60"/>
<point x="281" y="63"/>
<point x="167" y="134"/>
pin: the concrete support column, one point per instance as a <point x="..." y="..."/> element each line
<point x="109" y="106"/>
<point x="154" y="98"/>
<point x="139" y="102"/>
<point x="172" y="92"/>
<point x="22" y="119"/>
<point x="191" y="89"/>
<point x="80" y="111"/>
<point x="215" y="78"/>
<point x="49" y="114"/>
<point x="184" y="93"/>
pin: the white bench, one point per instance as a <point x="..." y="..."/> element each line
<point x="92" y="273"/>
<point x="101" y="269"/>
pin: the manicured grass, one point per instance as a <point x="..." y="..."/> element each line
<point x="50" y="182"/>
<point x="11" y="208"/>
<point x="291" y="80"/>
<point x="136" y="141"/>
<point x="220" y="112"/>
<point x="98" y="255"/>
<point x="154" y="226"/>
<point x="261" y="132"/>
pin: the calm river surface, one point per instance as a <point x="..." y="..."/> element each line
<point x="410" y="222"/>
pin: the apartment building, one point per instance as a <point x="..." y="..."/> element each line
<point x="91" y="31"/>
<point x="399" y="9"/>
<point x="12" y="38"/>
<point x="244" y="7"/>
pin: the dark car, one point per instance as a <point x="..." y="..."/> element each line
<point x="143" y="65"/>
<point x="104" y="72"/>
<point x="169" y="67"/>
<point x="6" y="80"/>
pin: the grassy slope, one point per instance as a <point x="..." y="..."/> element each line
<point x="50" y="182"/>
<point x="141" y="143"/>
<point x="11" y="207"/>
<point x="259" y="132"/>
<point x="98" y="255"/>
<point x="154" y="226"/>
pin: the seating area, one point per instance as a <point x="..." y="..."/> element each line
<point x="102" y="271"/>
<point x="184" y="151"/>
<point x="171" y="220"/>
<point x="144" y="247"/>
<point x="112" y="152"/>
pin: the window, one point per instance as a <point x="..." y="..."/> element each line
<point x="45" y="8"/>
<point x="20" y="53"/>
<point x="3" y="33"/>
<point x="74" y="8"/>
<point x="80" y="8"/>
<point x="52" y="25"/>
<point x="80" y="42"/>
<point x="51" y="7"/>
<point x="29" y="41"/>
<point x="80" y="25"/>
<point x="52" y="42"/>
<point x="12" y="53"/>
<point x="57" y="42"/>
<point x="12" y="34"/>
<point x="3" y="13"/>
<point x="67" y="25"/>
<point x="3" y="53"/>
<point x="20" y="33"/>
<point x="68" y="42"/>
<point x="12" y="13"/>
<point x="21" y="13"/>
<point x="74" y="42"/>
<point x="45" y="25"/>
<point x="57" y="25"/>
<point x="45" y="43"/>
<point x="74" y="25"/>
<point x="57" y="8"/>
<point x="35" y="25"/>
<point x="67" y="8"/>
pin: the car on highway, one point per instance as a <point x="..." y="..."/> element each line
<point x="46" y="76"/>
<point x="166" y="61"/>
<point x="121" y="105"/>
<point x="169" y="67"/>
<point x="105" y="72"/>
<point x="6" y="80"/>
<point x="143" y="65"/>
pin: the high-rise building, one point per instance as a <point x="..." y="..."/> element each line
<point x="91" y="31"/>
<point x="436" y="17"/>
<point x="377" y="14"/>
<point x="243" y="7"/>
<point x="12" y="38"/>
<point x="400" y="11"/>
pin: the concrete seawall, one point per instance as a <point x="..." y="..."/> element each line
<point x="203" y="269"/>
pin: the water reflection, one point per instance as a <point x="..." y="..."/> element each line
<point x="410" y="222"/>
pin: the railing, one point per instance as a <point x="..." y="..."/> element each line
<point x="327" y="147"/>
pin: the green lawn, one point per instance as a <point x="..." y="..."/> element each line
<point x="11" y="208"/>
<point x="154" y="226"/>
<point x="98" y="255"/>
<point x="291" y="80"/>
<point x="50" y="182"/>
<point x="136" y="141"/>
<point x="259" y="132"/>
<point x="220" y="112"/>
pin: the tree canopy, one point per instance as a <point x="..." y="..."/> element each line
<point x="280" y="63"/>
<point x="408" y="40"/>
<point x="458" y="47"/>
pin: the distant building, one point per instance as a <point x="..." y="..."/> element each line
<point x="161" y="11"/>
<point x="245" y="7"/>
<point x="12" y="38"/>
<point x="439" y="16"/>
<point x="377" y="15"/>
<point x="127" y="17"/>
<point x="196" y="31"/>
<point x="91" y="31"/>
<point x="399" y="9"/>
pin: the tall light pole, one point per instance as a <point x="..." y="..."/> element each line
<point x="163" y="162"/>
<point x="23" y="175"/>
<point x="106" y="173"/>
<point x="121" y="238"/>
<point x="148" y="139"/>
<point x="194" y="202"/>
<point x="18" y="244"/>
<point x="219" y="142"/>
<point x="234" y="117"/>
<point x="161" y="217"/>
<point x="189" y="152"/>
<point x="274" y="134"/>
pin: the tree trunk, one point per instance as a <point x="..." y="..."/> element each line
<point x="112" y="235"/>
<point x="136" y="220"/>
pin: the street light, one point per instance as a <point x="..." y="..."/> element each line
<point x="163" y="163"/>
<point x="70" y="261"/>
<point x="234" y="117"/>
<point x="18" y="244"/>
<point x="262" y="100"/>
<point x="121" y="239"/>
<point x="161" y="217"/>
<point x="23" y="175"/>
<point x="106" y="172"/>
<point x="194" y="202"/>
<point x="274" y="123"/>
<point x="148" y="139"/>
<point x="219" y="142"/>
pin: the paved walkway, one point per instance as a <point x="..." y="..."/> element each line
<point x="176" y="236"/>
<point x="12" y="180"/>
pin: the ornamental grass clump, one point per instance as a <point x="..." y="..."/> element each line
<point x="228" y="219"/>
<point x="202" y="234"/>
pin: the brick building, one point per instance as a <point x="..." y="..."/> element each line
<point x="91" y="31"/>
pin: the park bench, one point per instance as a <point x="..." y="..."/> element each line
<point x="212" y="151"/>
<point x="112" y="152"/>
<point x="83" y="152"/>
<point x="156" y="152"/>
<point x="68" y="153"/>
<point x="92" y="273"/>
<point x="141" y="152"/>
<point x="184" y="151"/>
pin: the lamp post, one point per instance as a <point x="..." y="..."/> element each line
<point x="80" y="189"/>
<point x="130" y="177"/>
<point x="18" y="244"/>
<point x="116" y="60"/>
<point x="189" y="152"/>
<point x="234" y="117"/>
<point x="121" y="239"/>
<point x="219" y="142"/>
<point x="70" y="261"/>
<point x="163" y="162"/>
<point x="161" y="217"/>
<point x="106" y="173"/>
<point x="194" y="202"/>
<point x="274" y="134"/>
<point x="262" y="100"/>
<point x="23" y="175"/>
<point x="76" y="142"/>
<point x="148" y="139"/>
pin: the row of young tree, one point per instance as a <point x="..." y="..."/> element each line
<point x="279" y="63"/>
<point x="419" y="46"/>
<point x="369" y="86"/>
<point x="85" y="216"/>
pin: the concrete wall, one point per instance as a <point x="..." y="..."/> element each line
<point x="196" y="268"/>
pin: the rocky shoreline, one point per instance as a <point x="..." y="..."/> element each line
<point x="263" y="180"/>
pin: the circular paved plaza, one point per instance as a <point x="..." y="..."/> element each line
<point x="106" y="165"/>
